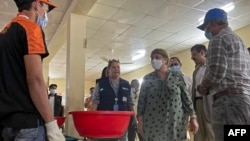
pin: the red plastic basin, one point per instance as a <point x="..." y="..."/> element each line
<point x="60" y="121"/>
<point x="101" y="124"/>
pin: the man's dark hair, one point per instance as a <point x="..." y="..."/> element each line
<point x="91" y="88"/>
<point x="134" y="81"/>
<point x="248" y="48"/>
<point x="26" y="6"/>
<point x="199" y="48"/>
<point x="51" y="85"/>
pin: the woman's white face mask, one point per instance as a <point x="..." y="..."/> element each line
<point x="156" y="64"/>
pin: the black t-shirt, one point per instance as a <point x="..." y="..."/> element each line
<point x="19" y="38"/>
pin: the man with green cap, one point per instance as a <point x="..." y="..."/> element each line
<point x="227" y="76"/>
<point x="25" y="113"/>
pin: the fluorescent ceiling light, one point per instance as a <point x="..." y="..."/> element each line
<point x="228" y="7"/>
<point x="139" y="55"/>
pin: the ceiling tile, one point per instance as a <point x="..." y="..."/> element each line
<point x="209" y="4"/>
<point x="168" y="10"/>
<point x="240" y="9"/>
<point x="90" y="32"/>
<point x="94" y="44"/>
<point x="176" y="38"/>
<point x="157" y="35"/>
<point x="144" y="43"/>
<point x="163" y="45"/>
<point x="126" y="40"/>
<point x="236" y="24"/>
<point x="104" y="36"/>
<point x="102" y="11"/>
<point x="137" y="31"/>
<point x="114" y="3"/>
<point x="61" y="6"/>
<point x="179" y="47"/>
<point x="8" y="7"/>
<point x="150" y="22"/>
<point x="144" y="6"/>
<point x="189" y="3"/>
<point x="94" y="23"/>
<point x="245" y="17"/>
<point x="190" y="17"/>
<point x="55" y="16"/>
<point x="172" y="26"/>
<point x="114" y="27"/>
<point x="196" y="40"/>
<point x="127" y="17"/>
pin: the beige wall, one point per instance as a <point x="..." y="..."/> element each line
<point x="88" y="85"/>
<point x="244" y="34"/>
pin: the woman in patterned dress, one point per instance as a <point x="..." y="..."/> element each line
<point x="164" y="103"/>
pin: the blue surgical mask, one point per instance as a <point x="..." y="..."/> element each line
<point x="175" y="68"/>
<point x="208" y="35"/>
<point x="42" y="21"/>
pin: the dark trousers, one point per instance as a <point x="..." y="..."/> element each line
<point x="132" y="131"/>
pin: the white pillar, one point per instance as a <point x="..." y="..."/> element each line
<point x="75" y="69"/>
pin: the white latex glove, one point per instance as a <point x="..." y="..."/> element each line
<point x="53" y="132"/>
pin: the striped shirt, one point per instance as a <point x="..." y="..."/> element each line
<point x="228" y="62"/>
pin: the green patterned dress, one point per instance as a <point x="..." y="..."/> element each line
<point x="164" y="105"/>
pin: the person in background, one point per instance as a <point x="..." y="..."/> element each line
<point x="202" y="104"/>
<point x="113" y="93"/>
<point x="88" y="100"/>
<point x="25" y="113"/>
<point x="104" y="75"/>
<point x="55" y="101"/>
<point x="227" y="75"/>
<point x="175" y="65"/>
<point x="132" y="129"/>
<point x="164" y="103"/>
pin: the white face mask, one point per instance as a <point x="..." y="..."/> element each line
<point x="53" y="91"/>
<point x="156" y="64"/>
<point x="134" y="90"/>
